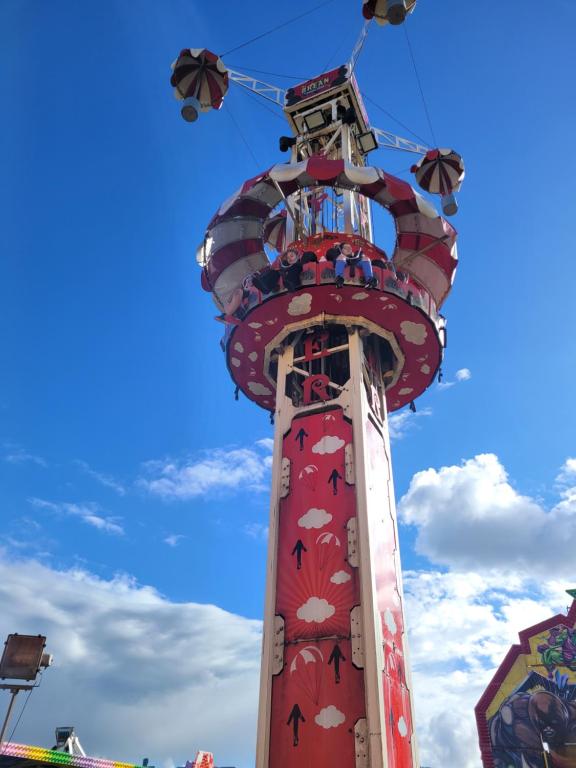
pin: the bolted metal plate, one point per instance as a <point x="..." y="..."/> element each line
<point x="285" y="478"/>
<point x="353" y="554"/>
<point x="278" y="645"/>
<point x="349" y="464"/>
<point x="361" y="742"/>
<point x="356" y="636"/>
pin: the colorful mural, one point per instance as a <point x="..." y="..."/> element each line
<point x="527" y="716"/>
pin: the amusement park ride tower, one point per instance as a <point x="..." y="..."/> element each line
<point x="330" y="346"/>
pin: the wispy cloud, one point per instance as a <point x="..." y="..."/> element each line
<point x="462" y="374"/>
<point x="174" y="539"/>
<point x="217" y="471"/>
<point x="15" y="454"/>
<point x="257" y="531"/>
<point x="105" y="480"/>
<point x="87" y="512"/>
<point x="402" y="422"/>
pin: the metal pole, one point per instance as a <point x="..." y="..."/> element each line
<point x="8" y="713"/>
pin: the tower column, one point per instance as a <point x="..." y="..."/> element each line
<point x="334" y="685"/>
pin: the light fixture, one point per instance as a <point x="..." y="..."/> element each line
<point x="286" y="142"/>
<point x="314" y="120"/>
<point x="23" y="657"/>
<point x="367" y="142"/>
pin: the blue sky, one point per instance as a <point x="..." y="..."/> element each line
<point x="133" y="488"/>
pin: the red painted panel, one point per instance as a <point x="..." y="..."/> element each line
<point x="325" y="710"/>
<point x="380" y="512"/>
<point x="319" y="695"/>
<point x="316" y="597"/>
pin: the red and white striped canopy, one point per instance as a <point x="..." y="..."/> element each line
<point x="200" y="74"/>
<point x="440" y="171"/>
<point x="234" y="242"/>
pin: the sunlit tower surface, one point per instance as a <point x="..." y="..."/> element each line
<point x="330" y="347"/>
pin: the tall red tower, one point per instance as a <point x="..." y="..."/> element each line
<point x="330" y="341"/>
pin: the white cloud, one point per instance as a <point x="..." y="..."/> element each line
<point x="314" y="518"/>
<point x="402" y="422"/>
<point x="258" y="389"/>
<point x="462" y="374"/>
<point x="257" y="531"/>
<point x="328" y="444"/>
<point x="124" y="657"/>
<point x="471" y="517"/>
<point x="415" y="333"/>
<point x="217" y="471"/>
<point x="105" y="480"/>
<point x="174" y="539"/>
<point x="267" y="443"/>
<point x="460" y="629"/>
<point x="567" y="474"/>
<point x="15" y="454"/>
<point x="85" y="511"/>
<point x="330" y="717"/>
<point x="315" y="609"/>
<point x="340" y="577"/>
<point x="300" y="305"/>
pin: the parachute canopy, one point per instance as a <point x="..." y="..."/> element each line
<point x="387" y="11"/>
<point x="306" y="669"/>
<point x="441" y="172"/>
<point x="200" y="79"/>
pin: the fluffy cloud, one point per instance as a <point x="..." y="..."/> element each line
<point x="216" y="471"/>
<point x="415" y="333"/>
<point x="340" y="577"/>
<point x="126" y="657"/>
<point x="315" y="609"/>
<point x="330" y="717"/>
<point x="462" y="374"/>
<point x="460" y="628"/>
<point x="314" y="518"/>
<point x="328" y="444"/>
<point x="87" y="512"/>
<point x="471" y="517"/>
<point x="300" y="305"/>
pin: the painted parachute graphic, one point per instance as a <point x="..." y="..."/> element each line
<point x="200" y="80"/>
<point x="387" y="11"/>
<point x="306" y="669"/>
<point x="441" y="172"/>
<point x="328" y="549"/>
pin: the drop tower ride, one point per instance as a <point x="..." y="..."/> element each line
<point x="330" y="341"/>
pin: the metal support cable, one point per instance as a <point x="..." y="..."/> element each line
<point x="279" y="26"/>
<point x="420" y="85"/>
<point x="248" y="147"/>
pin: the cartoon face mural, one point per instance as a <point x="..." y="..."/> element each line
<point x="527" y="717"/>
